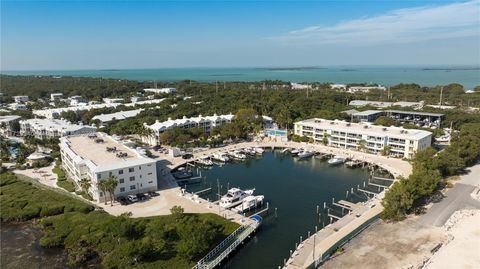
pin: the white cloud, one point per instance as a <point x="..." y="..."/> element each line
<point x="453" y="20"/>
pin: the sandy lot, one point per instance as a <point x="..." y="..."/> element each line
<point x="386" y="245"/>
<point x="463" y="249"/>
<point x="43" y="175"/>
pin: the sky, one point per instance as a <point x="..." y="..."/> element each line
<point x="61" y="35"/>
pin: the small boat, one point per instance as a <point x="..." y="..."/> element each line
<point x="249" y="151"/>
<point x="336" y="160"/>
<point x="285" y="150"/>
<point x="306" y="154"/>
<point x="205" y="161"/>
<point x="182" y="174"/>
<point x="234" y="197"/>
<point x="295" y="152"/>
<point x="238" y="155"/>
<point x="250" y="202"/>
<point x="258" y="150"/>
<point x="219" y="156"/>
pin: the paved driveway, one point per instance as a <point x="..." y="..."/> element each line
<point x="456" y="198"/>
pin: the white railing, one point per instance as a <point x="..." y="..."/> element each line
<point x="220" y="252"/>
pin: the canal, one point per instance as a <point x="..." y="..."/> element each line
<point x="295" y="187"/>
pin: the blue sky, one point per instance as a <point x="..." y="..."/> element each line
<point x="49" y="35"/>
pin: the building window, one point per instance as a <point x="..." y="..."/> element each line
<point x="122" y="189"/>
<point x="99" y="176"/>
<point x="150" y="182"/>
<point x="121" y="180"/>
<point x="131" y="169"/>
<point x="109" y="174"/>
<point x="149" y="174"/>
<point x="132" y="178"/>
<point x="139" y="168"/>
<point x="120" y="172"/>
<point x="132" y="187"/>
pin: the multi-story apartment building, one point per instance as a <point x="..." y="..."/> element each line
<point x="204" y="122"/>
<point x="21" y="98"/>
<point x="50" y="128"/>
<point x="9" y="125"/>
<point x="373" y="138"/>
<point x="98" y="156"/>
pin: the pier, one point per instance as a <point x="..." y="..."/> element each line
<point x="229" y="244"/>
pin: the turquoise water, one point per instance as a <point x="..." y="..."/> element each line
<point x="388" y="75"/>
<point x="292" y="186"/>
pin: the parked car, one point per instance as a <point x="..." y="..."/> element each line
<point x="141" y="197"/>
<point x="187" y="156"/>
<point x="153" y="194"/>
<point x="132" y="198"/>
<point x="123" y="200"/>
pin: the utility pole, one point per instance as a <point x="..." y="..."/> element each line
<point x="441" y="96"/>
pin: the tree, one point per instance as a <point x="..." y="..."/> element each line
<point x="385" y="121"/>
<point x="111" y="185"/>
<point x="85" y="184"/>
<point x="362" y="145"/>
<point x="102" y="186"/>
<point x="385" y="151"/>
<point x="325" y="139"/>
<point x="177" y="212"/>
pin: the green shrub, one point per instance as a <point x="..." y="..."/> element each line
<point x="67" y="185"/>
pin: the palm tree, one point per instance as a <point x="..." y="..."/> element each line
<point x="102" y="186"/>
<point x="85" y="184"/>
<point x="361" y="145"/>
<point x="111" y="183"/>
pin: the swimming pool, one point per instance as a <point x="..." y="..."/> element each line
<point x="276" y="132"/>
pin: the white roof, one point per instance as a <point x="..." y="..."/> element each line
<point x="373" y="103"/>
<point x="121" y="115"/>
<point x="54" y="124"/>
<point x="367" y="112"/>
<point x="178" y="122"/>
<point x="365" y="128"/>
<point x="96" y="156"/>
<point x="9" y="118"/>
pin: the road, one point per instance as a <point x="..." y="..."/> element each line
<point x="456" y="198"/>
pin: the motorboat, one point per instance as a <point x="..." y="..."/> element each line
<point x="259" y="150"/>
<point x="250" y="202"/>
<point x="306" y="154"/>
<point x="336" y="160"/>
<point x="234" y="197"/>
<point x="237" y="155"/>
<point x="220" y="156"/>
<point x="285" y="150"/>
<point x="249" y="151"/>
<point x="182" y="174"/>
<point x="296" y="151"/>
<point x="205" y="161"/>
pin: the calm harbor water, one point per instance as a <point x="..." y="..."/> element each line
<point x="21" y="249"/>
<point x="293" y="186"/>
<point x="468" y="76"/>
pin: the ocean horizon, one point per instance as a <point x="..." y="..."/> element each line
<point x="424" y="75"/>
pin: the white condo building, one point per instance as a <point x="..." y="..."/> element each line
<point x="161" y="90"/>
<point x="56" y="96"/>
<point x="204" y="122"/>
<point x="121" y="115"/>
<point x="50" y="128"/>
<point x="98" y="156"/>
<point x="21" y="98"/>
<point x="341" y="134"/>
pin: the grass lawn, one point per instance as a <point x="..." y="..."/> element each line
<point x="174" y="241"/>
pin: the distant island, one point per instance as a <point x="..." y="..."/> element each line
<point x="451" y="69"/>
<point x="301" y="68"/>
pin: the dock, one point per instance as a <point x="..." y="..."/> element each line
<point x="229" y="244"/>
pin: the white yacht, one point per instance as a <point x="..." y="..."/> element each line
<point x="295" y="151"/>
<point x="237" y="155"/>
<point x="259" y="150"/>
<point x="249" y="202"/>
<point x="336" y="160"/>
<point x="220" y="156"/>
<point x="306" y="154"/>
<point x="234" y="197"/>
<point x="249" y="151"/>
<point x="205" y="161"/>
